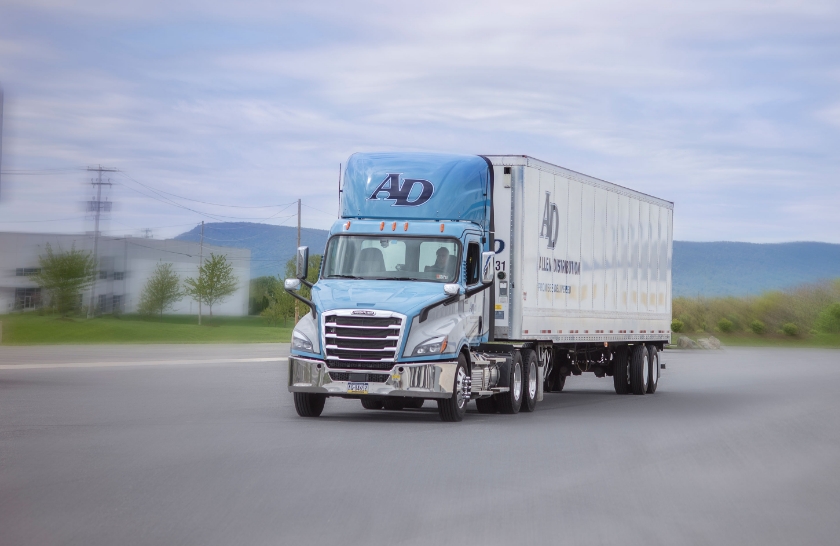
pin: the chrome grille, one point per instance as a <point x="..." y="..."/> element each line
<point x="362" y="342"/>
<point x="370" y="377"/>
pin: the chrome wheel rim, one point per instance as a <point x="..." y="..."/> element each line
<point x="645" y="374"/>
<point x="532" y="380"/>
<point x="655" y="370"/>
<point x="461" y="386"/>
<point x="517" y="381"/>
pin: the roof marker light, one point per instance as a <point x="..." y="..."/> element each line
<point x="405" y="227"/>
<point x="441" y="228"/>
<point x="394" y="226"/>
<point x="381" y="226"/>
<point x="347" y="225"/>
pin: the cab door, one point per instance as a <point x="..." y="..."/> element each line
<point x="476" y="306"/>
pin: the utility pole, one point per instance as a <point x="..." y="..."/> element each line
<point x="147" y="233"/>
<point x="297" y="313"/>
<point x="97" y="206"/>
<point x="200" y="264"/>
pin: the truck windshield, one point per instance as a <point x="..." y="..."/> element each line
<point x="433" y="259"/>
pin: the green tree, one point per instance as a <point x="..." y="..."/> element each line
<point x="215" y="282"/>
<point x="161" y="292"/>
<point x="64" y="275"/>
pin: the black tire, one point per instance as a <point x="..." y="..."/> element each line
<point x="530" y="362"/>
<point x="653" y="377"/>
<point x="621" y="371"/>
<point x="510" y="402"/>
<point x="309" y="404"/>
<point x="372" y="403"/>
<point x="639" y="369"/>
<point x="559" y="383"/>
<point x="414" y="403"/>
<point x="452" y="409"/>
<point x="486" y="405"/>
<point x="394" y="404"/>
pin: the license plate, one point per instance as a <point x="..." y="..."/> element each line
<point x="357" y="388"/>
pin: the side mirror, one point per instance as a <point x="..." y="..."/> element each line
<point x="487" y="267"/>
<point x="291" y="284"/>
<point x="452" y="289"/>
<point x="302" y="262"/>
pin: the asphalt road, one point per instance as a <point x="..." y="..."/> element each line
<point x="201" y="445"/>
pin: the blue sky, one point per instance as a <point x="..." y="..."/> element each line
<point x="729" y="109"/>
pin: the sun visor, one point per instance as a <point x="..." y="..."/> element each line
<point x="416" y="186"/>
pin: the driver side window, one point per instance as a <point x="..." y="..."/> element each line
<point x="473" y="263"/>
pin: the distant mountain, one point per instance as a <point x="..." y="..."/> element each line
<point x="271" y="246"/>
<point x="707" y="269"/>
<point x="724" y="268"/>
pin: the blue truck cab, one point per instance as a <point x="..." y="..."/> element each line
<point x="402" y="294"/>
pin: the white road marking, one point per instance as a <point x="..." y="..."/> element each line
<point x="137" y="363"/>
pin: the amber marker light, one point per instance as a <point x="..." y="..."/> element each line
<point x="394" y="226"/>
<point x="405" y="227"/>
<point x="347" y="225"/>
<point x="441" y="228"/>
<point x="381" y="226"/>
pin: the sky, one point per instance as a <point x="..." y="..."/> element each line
<point x="231" y="112"/>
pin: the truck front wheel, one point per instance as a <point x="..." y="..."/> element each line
<point x="452" y="409"/>
<point x="309" y="404"/>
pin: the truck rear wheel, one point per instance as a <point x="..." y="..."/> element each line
<point x="486" y="405"/>
<point x="415" y="403"/>
<point x="653" y="378"/>
<point x="529" y="394"/>
<point x="372" y="403"/>
<point x="309" y="404"/>
<point x="510" y="402"/>
<point x="452" y="409"/>
<point x="621" y="371"/>
<point x="639" y="369"/>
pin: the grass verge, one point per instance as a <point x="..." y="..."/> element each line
<point x="743" y="339"/>
<point x="33" y="329"/>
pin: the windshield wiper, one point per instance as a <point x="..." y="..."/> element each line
<point x="343" y="277"/>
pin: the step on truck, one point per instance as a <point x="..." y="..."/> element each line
<point x="452" y="278"/>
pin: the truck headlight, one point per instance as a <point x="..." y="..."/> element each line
<point x="300" y="341"/>
<point x="433" y="346"/>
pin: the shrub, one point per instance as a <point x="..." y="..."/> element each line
<point x="790" y="329"/>
<point x="757" y="327"/>
<point x="677" y="326"/>
<point x="725" y="325"/>
<point x="829" y="319"/>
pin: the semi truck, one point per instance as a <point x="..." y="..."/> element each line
<point x="452" y="278"/>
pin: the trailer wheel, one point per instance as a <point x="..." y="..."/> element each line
<point x="372" y="403"/>
<point x="621" y="371"/>
<point x="639" y="369"/>
<point x="452" y="409"/>
<point x="309" y="404"/>
<point x="511" y="401"/>
<point x="653" y="378"/>
<point x="530" y="363"/>
<point x="486" y="405"/>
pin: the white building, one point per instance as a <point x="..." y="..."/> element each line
<point x="125" y="264"/>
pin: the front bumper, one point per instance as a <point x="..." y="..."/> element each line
<point x="417" y="380"/>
